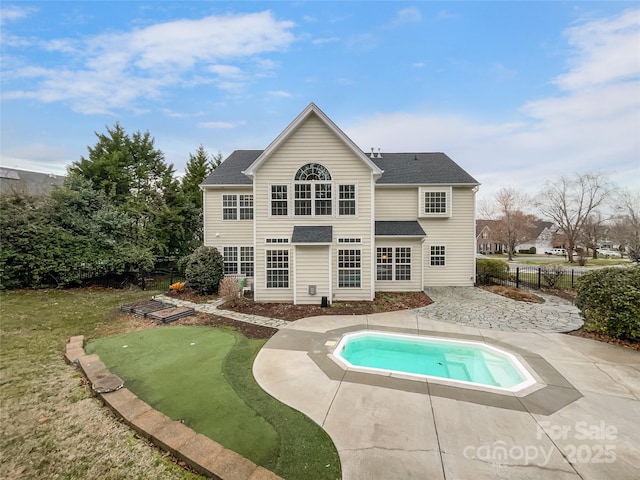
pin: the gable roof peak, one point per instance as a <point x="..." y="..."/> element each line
<point x="312" y="108"/>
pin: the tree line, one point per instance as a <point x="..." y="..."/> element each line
<point x="121" y="207"/>
<point x="577" y="206"/>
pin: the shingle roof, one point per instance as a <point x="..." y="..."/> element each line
<point x="13" y="180"/>
<point x="421" y="168"/>
<point x="399" y="228"/>
<point x="312" y="234"/>
<point x="399" y="168"/>
<point x="230" y="171"/>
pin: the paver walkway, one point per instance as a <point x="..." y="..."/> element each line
<point x="478" y="308"/>
<point x="468" y="306"/>
<point x="212" y="308"/>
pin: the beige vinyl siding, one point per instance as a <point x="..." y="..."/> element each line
<point x="218" y="232"/>
<point x="315" y="272"/>
<point x="314" y="142"/>
<point x="413" y="285"/>
<point x="457" y="234"/>
<point x="396" y="203"/>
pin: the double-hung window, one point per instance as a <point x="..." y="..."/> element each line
<point x="437" y="256"/>
<point x="393" y="263"/>
<point x="349" y="268"/>
<point x="237" y="207"/>
<point x="277" y="267"/>
<point x="238" y="261"/>
<point x="346" y="199"/>
<point x="279" y="200"/>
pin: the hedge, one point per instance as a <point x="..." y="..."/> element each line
<point x="610" y="301"/>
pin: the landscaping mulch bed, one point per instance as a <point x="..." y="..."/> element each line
<point x="601" y="337"/>
<point x="384" y="302"/>
<point x="513" y="293"/>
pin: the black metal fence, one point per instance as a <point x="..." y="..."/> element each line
<point x="529" y="276"/>
<point x="160" y="277"/>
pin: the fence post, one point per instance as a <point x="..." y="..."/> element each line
<point x="572" y="278"/>
<point x="142" y="281"/>
<point x="517" y="277"/>
<point x="539" y="276"/>
<point x="171" y="275"/>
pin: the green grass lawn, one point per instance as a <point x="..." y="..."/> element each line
<point x="52" y="427"/>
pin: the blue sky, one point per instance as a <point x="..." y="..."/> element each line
<point x="517" y="93"/>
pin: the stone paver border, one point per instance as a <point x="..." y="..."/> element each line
<point x="204" y="455"/>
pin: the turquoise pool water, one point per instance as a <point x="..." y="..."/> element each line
<point x="468" y="362"/>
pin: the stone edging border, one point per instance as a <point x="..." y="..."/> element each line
<point x="205" y="456"/>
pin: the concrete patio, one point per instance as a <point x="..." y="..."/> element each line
<point x="581" y="421"/>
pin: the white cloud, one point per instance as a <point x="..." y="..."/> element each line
<point x="279" y="94"/>
<point x="221" y="124"/>
<point x="115" y="70"/>
<point x="593" y="124"/>
<point x="14" y="12"/>
<point x="405" y="16"/>
<point x="605" y="50"/>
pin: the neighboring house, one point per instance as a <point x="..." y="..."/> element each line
<point x="14" y="181"/>
<point x="485" y="241"/>
<point x="313" y="216"/>
<point x="540" y="236"/>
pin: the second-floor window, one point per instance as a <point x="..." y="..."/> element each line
<point x="237" y="207"/>
<point x="347" y="199"/>
<point x="313" y="190"/>
<point x="279" y="200"/>
<point x="435" y="201"/>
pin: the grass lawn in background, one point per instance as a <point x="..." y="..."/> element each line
<point x="50" y="425"/>
<point x="178" y="371"/>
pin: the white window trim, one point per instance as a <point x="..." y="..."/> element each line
<point x="290" y="192"/>
<point x="445" y="255"/>
<point x="338" y="269"/>
<point x="239" y="261"/>
<point x="421" y="203"/>
<point x="290" y="259"/>
<point x="349" y="241"/>
<point x="276" y="241"/>
<point x="313" y="199"/>
<point x="237" y="207"/>
<point x="337" y="201"/>
<point x="394" y="263"/>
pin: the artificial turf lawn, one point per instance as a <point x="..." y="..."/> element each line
<point x="210" y="386"/>
<point x="178" y="371"/>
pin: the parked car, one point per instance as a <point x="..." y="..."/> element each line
<point x="607" y="253"/>
<point x="556" y="251"/>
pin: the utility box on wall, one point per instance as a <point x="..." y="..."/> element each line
<point x="312" y="289"/>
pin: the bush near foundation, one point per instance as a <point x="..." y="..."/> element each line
<point x="204" y="270"/>
<point x="610" y="301"/>
<point x="490" y="271"/>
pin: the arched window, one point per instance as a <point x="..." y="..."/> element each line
<point x="312" y="190"/>
<point x="313" y="172"/>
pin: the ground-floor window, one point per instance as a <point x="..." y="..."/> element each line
<point x="238" y="261"/>
<point x="393" y="263"/>
<point x="277" y="266"/>
<point x="349" y="268"/>
<point x="437" y="257"/>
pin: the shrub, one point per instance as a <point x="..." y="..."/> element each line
<point x="489" y="270"/>
<point x="229" y="290"/>
<point x="610" y="301"/>
<point x="551" y="274"/>
<point x="204" y="270"/>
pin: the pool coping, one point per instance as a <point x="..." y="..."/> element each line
<point x="205" y="456"/>
<point x="551" y="392"/>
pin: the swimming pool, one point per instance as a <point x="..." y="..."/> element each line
<point x="459" y="361"/>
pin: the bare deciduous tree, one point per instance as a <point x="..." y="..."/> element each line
<point x="512" y="226"/>
<point x="593" y="231"/>
<point x="568" y="201"/>
<point x="626" y="223"/>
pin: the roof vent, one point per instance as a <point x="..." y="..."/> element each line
<point x="372" y="154"/>
<point x="379" y="154"/>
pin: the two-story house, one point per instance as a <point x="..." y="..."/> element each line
<point x="314" y="216"/>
